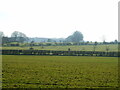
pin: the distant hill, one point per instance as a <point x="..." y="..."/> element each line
<point x="38" y="39"/>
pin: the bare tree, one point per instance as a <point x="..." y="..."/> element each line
<point x="95" y="45"/>
<point x="107" y="48"/>
<point x="31" y="45"/>
<point x="104" y="39"/>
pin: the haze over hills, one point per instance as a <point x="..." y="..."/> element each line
<point x="75" y="37"/>
<point x="40" y="39"/>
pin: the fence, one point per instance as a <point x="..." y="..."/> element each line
<point x="59" y="53"/>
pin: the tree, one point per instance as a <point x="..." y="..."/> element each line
<point x="1" y="34"/>
<point x="75" y="37"/>
<point x="31" y="45"/>
<point x="19" y="36"/>
<point x="116" y="41"/>
<point x="94" y="45"/>
<point x="1" y="37"/>
<point x="49" y="40"/>
<point x="5" y="40"/>
<point x="103" y="39"/>
<point x="69" y="38"/>
<point x="107" y="48"/>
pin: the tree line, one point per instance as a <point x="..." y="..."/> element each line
<point x="17" y="36"/>
<point x="76" y="38"/>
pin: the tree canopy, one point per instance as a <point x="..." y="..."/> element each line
<point x="75" y="37"/>
<point x="1" y="34"/>
<point x="19" y="36"/>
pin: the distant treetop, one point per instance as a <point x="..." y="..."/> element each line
<point x="75" y="37"/>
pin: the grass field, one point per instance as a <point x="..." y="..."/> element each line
<point x="112" y="47"/>
<point x="59" y="72"/>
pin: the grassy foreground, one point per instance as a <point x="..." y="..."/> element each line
<point x="59" y="72"/>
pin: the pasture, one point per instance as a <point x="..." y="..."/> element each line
<point x="112" y="47"/>
<point x="25" y="71"/>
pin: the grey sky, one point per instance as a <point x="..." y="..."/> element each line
<point x="96" y="19"/>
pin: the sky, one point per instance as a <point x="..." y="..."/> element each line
<point x="97" y="20"/>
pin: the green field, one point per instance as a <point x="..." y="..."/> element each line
<point x="112" y="47"/>
<point x="59" y="72"/>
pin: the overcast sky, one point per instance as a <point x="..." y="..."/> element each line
<point x="96" y="19"/>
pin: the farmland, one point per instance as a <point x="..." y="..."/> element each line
<point x="59" y="72"/>
<point x="112" y="47"/>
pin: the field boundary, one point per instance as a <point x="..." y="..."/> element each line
<point x="59" y="53"/>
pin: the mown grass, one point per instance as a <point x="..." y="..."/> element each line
<point x="59" y="72"/>
<point x="112" y="47"/>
